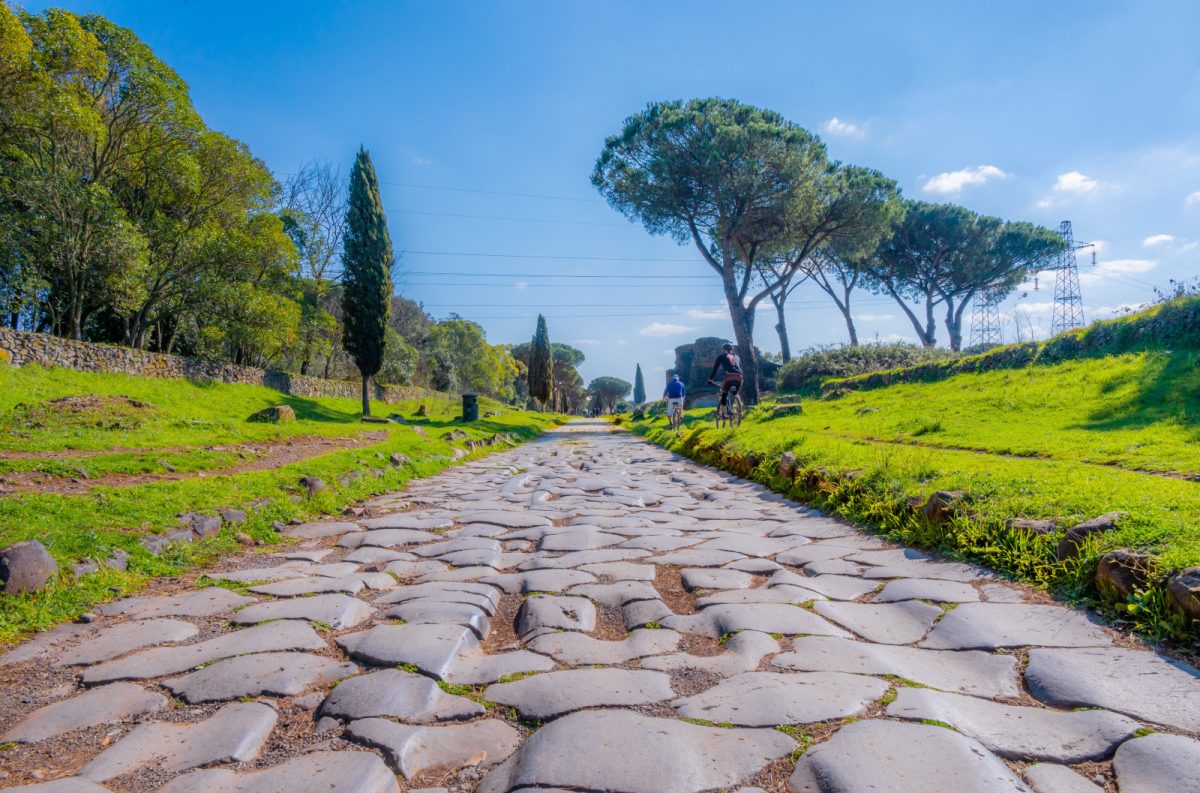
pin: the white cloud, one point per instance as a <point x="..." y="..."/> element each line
<point x="873" y="317"/>
<point x="668" y="352"/>
<point x="1116" y="267"/>
<point x="665" y="329"/>
<point x="1157" y="239"/>
<point x="953" y="182"/>
<point x="422" y="161"/>
<point x="1192" y="198"/>
<point x="658" y="369"/>
<point x="521" y="284"/>
<point x="588" y="342"/>
<point x="1187" y="246"/>
<point x="700" y="313"/>
<point x="1042" y="308"/>
<point x="844" y="129"/>
<point x="892" y="338"/>
<point x="620" y="342"/>
<point x="1075" y="182"/>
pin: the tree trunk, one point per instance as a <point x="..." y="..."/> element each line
<point x="846" y="315"/>
<point x="785" y="348"/>
<point x="304" y="366"/>
<point x="743" y="331"/>
<point x="366" y="396"/>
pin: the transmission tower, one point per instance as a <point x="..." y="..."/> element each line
<point x="985" y="319"/>
<point x="1068" y="302"/>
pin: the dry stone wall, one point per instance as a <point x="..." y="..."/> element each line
<point x="21" y="349"/>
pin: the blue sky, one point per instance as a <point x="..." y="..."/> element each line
<point x="484" y="121"/>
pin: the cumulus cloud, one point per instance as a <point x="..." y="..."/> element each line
<point x="665" y="329"/>
<point x="844" y="129"/>
<point x="1192" y="198"/>
<point x="1116" y="267"/>
<point x="588" y="342"/>
<point x="873" y="317"/>
<point x="1157" y="239"/>
<point x="1075" y="182"/>
<point x="620" y="342"/>
<point x="703" y="313"/>
<point x="953" y="182"/>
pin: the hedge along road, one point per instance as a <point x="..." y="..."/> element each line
<point x="591" y="612"/>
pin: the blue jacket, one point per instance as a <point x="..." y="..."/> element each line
<point x="675" y="390"/>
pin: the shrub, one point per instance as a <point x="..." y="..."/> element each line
<point x="807" y="371"/>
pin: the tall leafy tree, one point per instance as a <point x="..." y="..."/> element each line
<point x="541" y="365"/>
<point x="608" y="391"/>
<point x="639" y="386"/>
<point x="857" y="207"/>
<point x="725" y="176"/>
<point x="367" y="274"/>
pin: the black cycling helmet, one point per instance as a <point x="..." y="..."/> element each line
<point x="727" y="346"/>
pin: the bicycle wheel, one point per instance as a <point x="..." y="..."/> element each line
<point x="735" y="417"/>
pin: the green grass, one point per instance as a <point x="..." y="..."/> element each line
<point x="187" y="418"/>
<point x="1066" y="441"/>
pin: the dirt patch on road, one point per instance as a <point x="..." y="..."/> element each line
<point x="262" y="456"/>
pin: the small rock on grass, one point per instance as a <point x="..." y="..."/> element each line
<point x="26" y="566"/>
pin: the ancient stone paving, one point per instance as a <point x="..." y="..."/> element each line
<point x="591" y="613"/>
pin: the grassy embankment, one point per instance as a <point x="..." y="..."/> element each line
<point x="1055" y="437"/>
<point x="127" y="448"/>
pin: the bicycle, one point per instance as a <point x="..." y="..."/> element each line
<point x="730" y="414"/>
<point x="675" y="419"/>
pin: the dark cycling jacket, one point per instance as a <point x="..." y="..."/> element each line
<point x="727" y="361"/>
<point x="675" y="390"/>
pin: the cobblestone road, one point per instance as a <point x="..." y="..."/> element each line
<point x="591" y="613"/>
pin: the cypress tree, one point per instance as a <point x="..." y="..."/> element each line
<point x="639" y="387"/>
<point x="367" y="274"/>
<point x="541" y="365"/>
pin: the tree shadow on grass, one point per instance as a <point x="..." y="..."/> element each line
<point x="1166" y="390"/>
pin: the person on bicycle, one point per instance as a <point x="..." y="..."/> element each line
<point x="674" y="394"/>
<point x="732" y="383"/>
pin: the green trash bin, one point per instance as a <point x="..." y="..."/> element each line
<point x="470" y="407"/>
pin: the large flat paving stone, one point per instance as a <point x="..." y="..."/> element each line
<point x="768" y="699"/>
<point x="319" y="585"/>
<point x="207" y="602"/>
<point x="432" y="611"/>
<point x="1016" y="732"/>
<point x="991" y="626"/>
<point x="742" y="653"/>
<point x="432" y="648"/>
<point x="1052" y="778"/>
<point x="882" y="623"/>
<point x="326" y="772"/>
<point x="617" y="593"/>
<point x="545" y="613"/>
<point x="542" y="580"/>
<point x="159" y="661"/>
<point x="124" y="638"/>
<point x="626" y="752"/>
<point x="408" y="520"/>
<point x="876" y="756"/>
<point x="100" y="705"/>
<point x="338" y="611"/>
<point x="927" y="589"/>
<point x="417" y="750"/>
<point x="1158" y="763"/>
<point x="693" y="557"/>
<point x="477" y="668"/>
<point x="1137" y="683"/>
<point x="388" y="538"/>
<point x="509" y="520"/>
<point x="234" y="734"/>
<point x="312" y="531"/>
<point x="715" y="578"/>
<point x="968" y="671"/>
<point x="726" y="618"/>
<point x="834" y="587"/>
<point x="577" y="649"/>
<point x="397" y="694"/>
<point x="272" y="674"/>
<point x="552" y="694"/>
<point x="483" y="595"/>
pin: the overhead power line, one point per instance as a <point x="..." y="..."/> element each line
<point x="567" y="257"/>
<point x="494" y="192"/>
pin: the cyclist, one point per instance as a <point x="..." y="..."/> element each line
<point x="674" y="394"/>
<point x="732" y="364"/>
